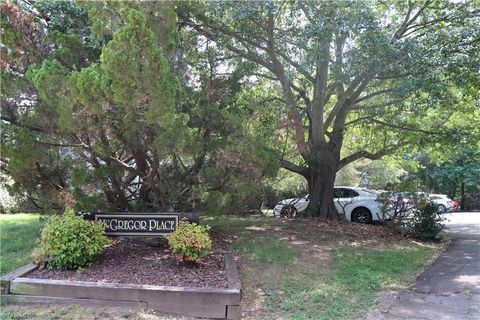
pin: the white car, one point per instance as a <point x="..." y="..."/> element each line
<point x="443" y="202"/>
<point x="358" y="204"/>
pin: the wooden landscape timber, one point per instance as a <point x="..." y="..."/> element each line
<point x="219" y="303"/>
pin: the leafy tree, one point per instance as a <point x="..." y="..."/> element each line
<point x="367" y="74"/>
<point x="119" y="110"/>
<point x="457" y="175"/>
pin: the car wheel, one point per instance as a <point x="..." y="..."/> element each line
<point x="361" y="215"/>
<point x="442" y="208"/>
<point x="288" y="212"/>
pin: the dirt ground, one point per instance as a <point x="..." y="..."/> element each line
<point x="315" y="240"/>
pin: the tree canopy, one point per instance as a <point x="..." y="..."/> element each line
<point x="185" y="105"/>
<point x="366" y="73"/>
<point x="106" y="119"/>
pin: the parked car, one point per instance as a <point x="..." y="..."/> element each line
<point x="443" y="202"/>
<point x="358" y="204"/>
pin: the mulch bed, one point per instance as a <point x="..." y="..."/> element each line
<point x="134" y="262"/>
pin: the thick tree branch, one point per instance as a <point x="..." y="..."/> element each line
<point x="320" y="92"/>
<point x="293" y="113"/>
<point x="351" y="94"/>
<point x="290" y="166"/>
<point x="360" y="155"/>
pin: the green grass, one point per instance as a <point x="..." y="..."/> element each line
<point x="298" y="287"/>
<point x="348" y="289"/>
<point x="390" y="267"/>
<point x="268" y="250"/>
<point x="18" y="233"/>
<point x="52" y="312"/>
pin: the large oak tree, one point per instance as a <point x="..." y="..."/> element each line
<point x="345" y="65"/>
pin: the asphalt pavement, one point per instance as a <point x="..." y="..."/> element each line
<point x="450" y="288"/>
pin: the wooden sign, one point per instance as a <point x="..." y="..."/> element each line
<point x="138" y="224"/>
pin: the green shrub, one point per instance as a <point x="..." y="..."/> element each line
<point x="70" y="242"/>
<point x="190" y="241"/>
<point x="427" y="222"/>
<point x="412" y="214"/>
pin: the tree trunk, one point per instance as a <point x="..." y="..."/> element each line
<point x="321" y="181"/>
<point x="462" y="195"/>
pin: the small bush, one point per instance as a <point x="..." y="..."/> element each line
<point x="190" y="241"/>
<point x="426" y="223"/>
<point x="412" y="214"/>
<point x="70" y="242"/>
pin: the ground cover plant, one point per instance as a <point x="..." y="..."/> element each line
<point x="17" y="239"/>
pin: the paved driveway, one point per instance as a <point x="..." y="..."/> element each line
<point x="450" y="288"/>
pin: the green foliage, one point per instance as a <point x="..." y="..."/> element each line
<point x="427" y="223"/>
<point x="115" y="124"/>
<point x="190" y="241"/>
<point x="412" y="213"/>
<point x="70" y="242"/>
<point x="289" y="185"/>
<point x="348" y="176"/>
<point x="64" y="16"/>
<point x="160" y="17"/>
<point x="443" y="169"/>
<point x="164" y="105"/>
<point x="389" y="89"/>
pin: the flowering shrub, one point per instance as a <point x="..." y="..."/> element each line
<point x="190" y="241"/>
<point x="70" y="242"/>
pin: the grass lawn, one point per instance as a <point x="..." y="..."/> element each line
<point x="18" y="233"/>
<point x="36" y="312"/>
<point x="348" y="288"/>
<point x="336" y="277"/>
